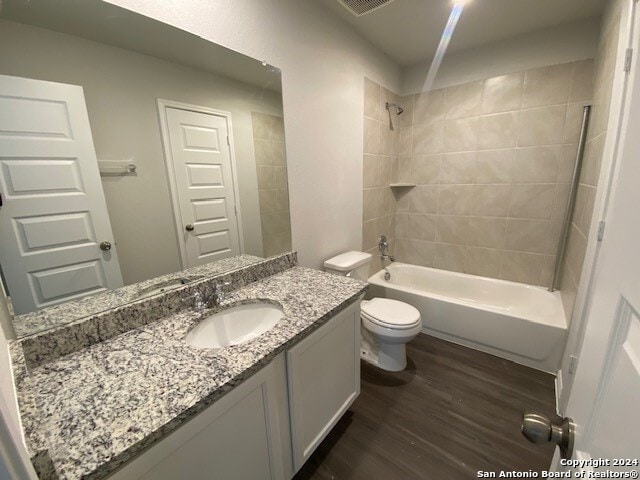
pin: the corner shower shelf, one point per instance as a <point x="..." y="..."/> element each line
<point x="402" y="185"/>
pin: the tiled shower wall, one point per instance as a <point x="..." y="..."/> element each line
<point x="491" y="161"/>
<point x="379" y="168"/>
<point x="597" y="133"/>
<point x="271" y="166"/>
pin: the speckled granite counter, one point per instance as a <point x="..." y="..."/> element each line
<point x="87" y="413"/>
<point x="58" y="315"/>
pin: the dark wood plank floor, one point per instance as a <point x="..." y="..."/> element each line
<point x="452" y="412"/>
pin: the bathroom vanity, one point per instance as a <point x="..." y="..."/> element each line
<point x="143" y="403"/>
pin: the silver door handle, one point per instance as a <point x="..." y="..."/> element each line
<point x="539" y="429"/>
<point x="189" y="228"/>
<point x="105" y="246"/>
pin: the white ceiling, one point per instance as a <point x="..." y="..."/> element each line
<point x="409" y="30"/>
<point x="105" y="23"/>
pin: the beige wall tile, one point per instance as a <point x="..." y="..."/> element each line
<point x="521" y="267"/>
<point x="576" y="250"/>
<point x="524" y="235"/>
<point x="266" y="177"/>
<point x="385" y="168"/>
<point x="573" y="123"/>
<point x="422" y="227"/>
<point x="458" y="167"/>
<point x="531" y="201"/>
<point x="369" y="171"/>
<point x="372" y="203"/>
<point x="418" y="252"/>
<point x="490" y="200"/>
<point x="454" y="199"/>
<point x="423" y="199"/>
<point x="280" y="177"/>
<point x="487" y="232"/>
<point x="594" y="150"/>
<point x="483" y="261"/>
<point x="425" y="169"/>
<point x="372" y="99"/>
<point x="429" y="107"/>
<point x="405" y="141"/>
<point x="428" y="139"/>
<point x="263" y="152"/>
<point x="402" y="225"/>
<point x="498" y="131"/>
<point x="494" y="166"/>
<point x="463" y="100"/>
<point x="547" y="85"/>
<point x="460" y="135"/>
<point x="404" y="169"/>
<point x="279" y="153"/>
<point x="560" y="200"/>
<point x="582" y="81"/>
<point x="450" y="257"/>
<point x="369" y="232"/>
<point x="388" y="140"/>
<point x="503" y="93"/>
<point x="567" y="162"/>
<point x="452" y="229"/>
<point x="542" y="126"/>
<point x="268" y="203"/>
<point x="537" y="164"/>
<point x="371" y="136"/>
<point x="554" y="230"/>
<point x="406" y="118"/>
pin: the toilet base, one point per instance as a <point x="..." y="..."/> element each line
<point x="387" y="356"/>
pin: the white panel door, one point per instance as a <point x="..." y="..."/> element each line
<point x="605" y="396"/>
<point x="54" y="214"/>
<point x="204" y="185"/>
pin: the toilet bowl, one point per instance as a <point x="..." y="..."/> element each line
<point x="386" y="325"/>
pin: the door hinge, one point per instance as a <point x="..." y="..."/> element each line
<point x="0" y="199"/>
<point x="572" y="364"/>
<point x="235" y="210"/>
<point x="628" y="56"/>
<point x="228" y="141"/>
<point x="601" y="225"/>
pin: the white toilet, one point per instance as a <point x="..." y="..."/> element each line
<point x="387" y="325"/>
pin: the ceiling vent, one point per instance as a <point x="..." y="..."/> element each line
<point x="362" y="7"/>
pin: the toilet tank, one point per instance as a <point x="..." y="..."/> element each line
<point x="353" y="264"/>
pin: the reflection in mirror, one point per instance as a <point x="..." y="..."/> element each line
<point x="131" y="152"/>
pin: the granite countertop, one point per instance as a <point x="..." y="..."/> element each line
<point x="87" y="413"/>
<point x="58" y="315"/>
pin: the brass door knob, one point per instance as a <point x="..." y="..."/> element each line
<point x="105" y="246"/>
<point x="189" y="228"/>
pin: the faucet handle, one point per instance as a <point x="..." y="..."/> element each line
<point x="198" y="301"/>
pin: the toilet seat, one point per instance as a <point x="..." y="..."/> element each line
<point x="388" y="313"/>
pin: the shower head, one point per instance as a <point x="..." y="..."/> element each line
<point x="398" y="108"/>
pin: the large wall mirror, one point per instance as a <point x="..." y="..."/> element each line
<point x="130" y="150"/>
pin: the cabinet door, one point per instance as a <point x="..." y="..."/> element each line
<point x="243" y="435"/>
<point x="323" y="373"/>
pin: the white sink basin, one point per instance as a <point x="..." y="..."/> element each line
<point x="235" y="325"/>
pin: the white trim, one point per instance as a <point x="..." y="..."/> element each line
<point x="558" y="390"/>
<point x="163" y="104"/>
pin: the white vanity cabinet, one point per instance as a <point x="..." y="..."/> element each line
<point x="269" y="425"/>
<point x="323" y="373"/>
<point x="244" y="435"/>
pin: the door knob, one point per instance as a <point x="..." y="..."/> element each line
<point x="105" y="246"/>
<point x="539" y="429"/>
<point x="189" y="228"/>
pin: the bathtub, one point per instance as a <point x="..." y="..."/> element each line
<point x="522" y="323"/>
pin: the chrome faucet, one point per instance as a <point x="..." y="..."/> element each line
<point x="209" y="297"/>
<point x="383" y="246"/>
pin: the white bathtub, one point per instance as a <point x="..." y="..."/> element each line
<point x="522" y="323"/>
